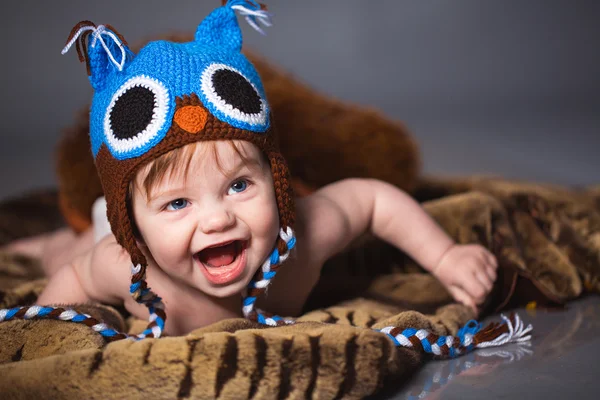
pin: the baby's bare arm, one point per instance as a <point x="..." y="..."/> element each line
<point x="92" y="276"/>
<point x="63" y="246"/>
<point x="64" y="286"/>
<point x="342" y="211"/>
<point x="338" y="213"/>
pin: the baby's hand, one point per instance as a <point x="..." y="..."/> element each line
<point x="468" y="272"/>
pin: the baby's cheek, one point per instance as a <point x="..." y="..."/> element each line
<point x="169" y="244"/>
<point x="267" y="219"/>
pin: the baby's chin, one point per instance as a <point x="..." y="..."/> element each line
<point x="222" y="291"/>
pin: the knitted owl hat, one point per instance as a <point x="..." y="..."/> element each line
<point x="165" y="97"/>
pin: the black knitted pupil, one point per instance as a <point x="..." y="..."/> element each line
<point x="235" y="90"/>
<point x="132" y="112"/>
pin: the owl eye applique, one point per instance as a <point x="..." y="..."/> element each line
<point x="135" y="116"/>
<point x="232" y="98"/>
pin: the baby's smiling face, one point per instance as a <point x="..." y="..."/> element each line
<point x="213" y="226"/>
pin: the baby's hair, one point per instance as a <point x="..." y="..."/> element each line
<point x="178" y="161"/>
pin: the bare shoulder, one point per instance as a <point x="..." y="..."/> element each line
<point x="326" y="222"/>
<point x="330" y="218"/>
<point x="105" y="271"/>
<point x="296" y="278"/>
<point x="319" y="222"/>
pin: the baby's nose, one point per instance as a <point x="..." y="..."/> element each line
<point x="217" y="219"/>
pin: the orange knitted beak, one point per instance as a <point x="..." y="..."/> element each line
<point x="191" y="118"/>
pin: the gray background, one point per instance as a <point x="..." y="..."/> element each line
<point x="507" y="87"/>
<point x="503" y="87"/>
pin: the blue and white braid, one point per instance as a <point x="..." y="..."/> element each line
<point x="288" y="237"/>
<point x="143" y="295"/>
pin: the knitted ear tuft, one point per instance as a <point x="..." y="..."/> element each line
<point x="107" y="51"/>
<point x="221" y="28"/>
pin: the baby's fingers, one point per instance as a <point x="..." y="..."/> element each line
<point x="491" y="259"/>
<point x="484" y="279"/>
<point x="462" y="297"/>
<point x="490" y="264"/>
<point x="491" y="273"/>
<point x="473" y="285"/>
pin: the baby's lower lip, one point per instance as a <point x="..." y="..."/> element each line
<point x="227" y="273"/>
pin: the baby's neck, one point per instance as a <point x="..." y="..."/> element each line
<point x="189" y="312"/>
<point x="188" y="308"/>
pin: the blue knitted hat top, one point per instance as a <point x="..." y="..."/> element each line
<point x="169" y="95"/>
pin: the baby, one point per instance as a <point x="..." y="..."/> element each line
<point x="198" y="196"/>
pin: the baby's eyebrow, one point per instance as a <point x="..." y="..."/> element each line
<point x="250" y="163"/>
<point x="165" y="193"/>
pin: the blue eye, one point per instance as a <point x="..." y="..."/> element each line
<point x="177" y="204"/>
<point x="238" y="187"/>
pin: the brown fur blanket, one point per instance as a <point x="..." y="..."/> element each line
<point x="547" y="240"/>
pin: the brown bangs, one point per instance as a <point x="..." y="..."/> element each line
<point x="177" y="161"/>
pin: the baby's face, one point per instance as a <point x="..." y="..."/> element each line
<point x="214" y="229"/>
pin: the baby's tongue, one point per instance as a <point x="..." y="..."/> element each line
<point x="219" y="256"/>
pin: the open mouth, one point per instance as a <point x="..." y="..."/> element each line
<point x="224" y="263"/>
